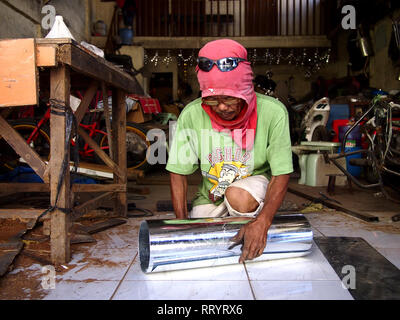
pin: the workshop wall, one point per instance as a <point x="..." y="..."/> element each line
<point x="384" y="72"/>
<point x="75" y="14"/>
<point x="22" y="18"/>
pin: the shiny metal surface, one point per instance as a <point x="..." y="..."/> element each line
<point x="183" y="244"/>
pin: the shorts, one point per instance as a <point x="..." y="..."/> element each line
<point x="255" y="185"/>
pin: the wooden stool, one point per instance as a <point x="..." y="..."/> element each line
<point x="332" y="181"/>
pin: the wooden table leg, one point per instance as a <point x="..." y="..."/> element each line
<point x="119" y="147"/>
<point x="59" y="240"/>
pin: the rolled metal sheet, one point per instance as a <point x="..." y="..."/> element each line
<point x="166" y="245"/>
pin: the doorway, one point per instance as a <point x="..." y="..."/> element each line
<point x="161" y="87"/>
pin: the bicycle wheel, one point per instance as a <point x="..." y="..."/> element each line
<point x="9" y="159"/>
<point x="136" y="146"/>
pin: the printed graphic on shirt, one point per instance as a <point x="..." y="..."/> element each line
<point x="226" y="167"/>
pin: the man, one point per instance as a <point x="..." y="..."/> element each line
<point x="241" y="142"/>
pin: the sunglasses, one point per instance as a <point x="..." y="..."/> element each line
<point x="224" y="64"/>
<point x="229" y="101"/>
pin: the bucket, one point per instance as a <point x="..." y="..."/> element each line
<point x="126" y="35"/>
<point x="355" y="171"/>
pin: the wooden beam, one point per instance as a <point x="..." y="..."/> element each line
<point x="59" y="238"/>
<point x="20" y="146"/>
<point x="25" y="187"/>
<point x="93" y="66"/>
<point x="119" y="144"/>
<point x="87" y="98"/>
<point x="45" y="187"/>
<point x="89" y="205"/>
<point x="103" y="156"/>
<point x="107" y="117"/>
<point x="248" y="42"/>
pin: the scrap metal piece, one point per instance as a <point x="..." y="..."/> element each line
<point x="8" y="252"/>
<point x="166" y="245"/>
<point x="101" y="226"/>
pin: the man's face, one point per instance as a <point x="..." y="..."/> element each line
<point x="226" y="107"/>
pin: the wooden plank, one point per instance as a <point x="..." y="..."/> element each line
<point x="46" y="56"/>
<point x="20" y="146"/>
<point x="18" y="75"/>
<point x="45" y="187"/>
<point x="56" y="41"/>
<point x="103" y="156"/>
<point x="99" y="188"/>
<point x="119" y="143"/>
<point x="97" y="68"/>
<point x="89" y="205"/>
<point x="59" y="238"/>
<point x="25" y="187"/>
<point x="20" y="213"/>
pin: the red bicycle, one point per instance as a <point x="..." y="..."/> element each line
<point x="37" y="134"/>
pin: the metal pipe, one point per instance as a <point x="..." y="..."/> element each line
<point x="166" y="245"/>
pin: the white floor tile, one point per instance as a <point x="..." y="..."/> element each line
<point x="232" y="272"/>
<point x="99" y="264"/>
<point x="300" y="290"/>
<point x="393" y="255"/>
<point x="184" y="290"/>
<point x="377" y="239"/>
<point x="314" y="266"/>
<point x="124" y="236"/>
<point x="82" y="290"/>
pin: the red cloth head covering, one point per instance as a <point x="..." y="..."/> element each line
<point x="236" y="83"/>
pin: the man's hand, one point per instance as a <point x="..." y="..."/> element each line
<point x="254" y="234"/>
<point x="254" y="238"/>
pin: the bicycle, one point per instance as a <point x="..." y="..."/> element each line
<point x="36" y="133"/>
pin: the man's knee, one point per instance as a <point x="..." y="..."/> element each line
<point x="241" y="200"/>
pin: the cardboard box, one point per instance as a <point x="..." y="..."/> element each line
<point x="137" y="115"/>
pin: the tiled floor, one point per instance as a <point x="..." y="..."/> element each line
<point x="110" y="268"/>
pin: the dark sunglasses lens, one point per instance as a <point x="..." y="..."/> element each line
<point x="227" y="64"/>
<point x="224" y="64"/>
<point x="205" y="64"/>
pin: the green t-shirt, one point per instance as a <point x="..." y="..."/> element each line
<point x="221" y="161"/>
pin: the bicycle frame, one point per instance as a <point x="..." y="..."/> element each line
<point x="92" y="129"/>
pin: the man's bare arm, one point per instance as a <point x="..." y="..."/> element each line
<point x="178" y="184"/>
<point x="254" y="234"/>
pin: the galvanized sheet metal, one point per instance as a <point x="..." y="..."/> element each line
<point x="166" y="245"/>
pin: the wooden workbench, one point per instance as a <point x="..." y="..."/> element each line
<point x="59" y="66"/>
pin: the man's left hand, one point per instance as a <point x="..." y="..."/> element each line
<point x="254" y="238"/>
